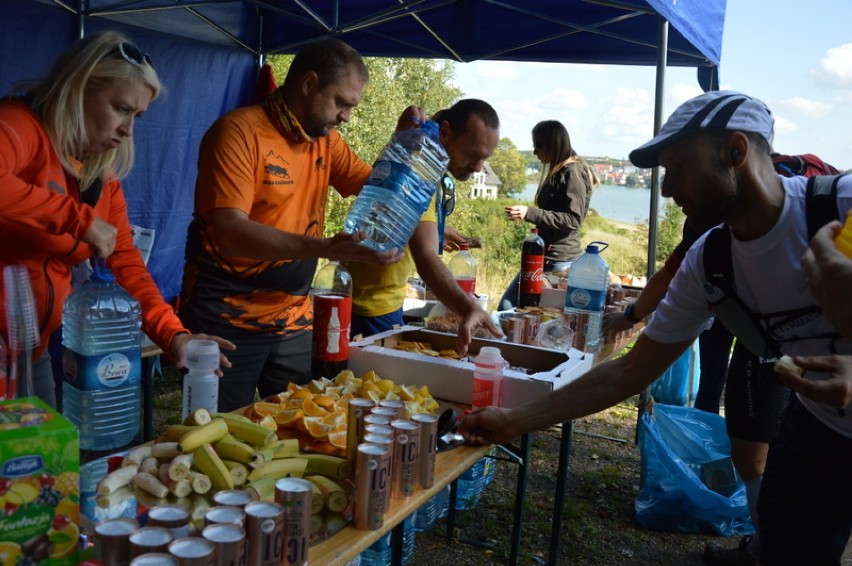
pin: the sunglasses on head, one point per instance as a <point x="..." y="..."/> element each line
<point x="448" y="195"/>
<point x="133" y="54"/>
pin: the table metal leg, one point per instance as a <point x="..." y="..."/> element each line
<point x="559" y="499"/>
<point x="520" y="493"/>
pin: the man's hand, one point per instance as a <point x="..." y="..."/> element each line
<point x="411" y="118"/>
<point x="489" y="425"/>
<point x="517" y="212"/>
<point x="829" y="277"/>
<point x="453" y="239"/>
<point x="346" y="247"/>
<point x="615" y="322"/>
<point x="476" y="318"/>
<point x="101" y="237"/>
<point x="836" y="391"/>
<point x="181" y="341"/>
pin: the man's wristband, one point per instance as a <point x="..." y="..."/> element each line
<point x="628" y="314"/>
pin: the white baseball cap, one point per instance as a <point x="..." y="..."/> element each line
<point x="718" y="109"/>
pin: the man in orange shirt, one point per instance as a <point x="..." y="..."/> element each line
<point x="263" y="178"/>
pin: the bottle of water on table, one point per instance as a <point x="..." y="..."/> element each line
<point x="585" y="299"/>
<point x="102" y="362"/>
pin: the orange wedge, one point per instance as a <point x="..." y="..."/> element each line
<point x="300" y="394"/>
<point x="263" y="408"/>
<point x="289" y="416"/>
<point x="334" y="419"/>
<point x="324" y="401"/>
<point x="337" y="439"/>
<point x="269" y="422"/>
<point x="311" y="409"/>
<point x="316" y="428"/>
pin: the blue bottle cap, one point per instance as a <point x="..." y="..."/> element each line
<point x="596" y="247"/>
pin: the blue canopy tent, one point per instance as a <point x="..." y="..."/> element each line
<point x="208" y="53"/>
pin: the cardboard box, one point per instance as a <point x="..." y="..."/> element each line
<point x="39" y="484"/>
<point x="452" y="380"/>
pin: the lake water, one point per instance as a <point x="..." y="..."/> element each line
<point x="612" y="202"/>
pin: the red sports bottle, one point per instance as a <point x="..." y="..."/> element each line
<point x="532" y="270"/>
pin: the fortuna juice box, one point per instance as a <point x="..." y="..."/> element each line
<point x="39" y="485"/>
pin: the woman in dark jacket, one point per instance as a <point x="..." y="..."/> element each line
<point x="561" y="201"/>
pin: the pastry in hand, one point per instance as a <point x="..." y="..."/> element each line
<point x="785" y="364"/>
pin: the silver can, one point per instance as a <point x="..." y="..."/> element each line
<point x="428" y="449"/>
<point x="406" y="438"/>
<point x="372" y="486"/>
<point x="296" y="496"/>
<point x="264" y="533"/>
<point x="230" y="543"/>
<point x="113" y="537"/>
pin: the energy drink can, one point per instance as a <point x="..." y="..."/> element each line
<point x="264" y="533"/>
<point x="381" y="430"/>
<point x="405" y="466"/>
<point x="150" y="539"/>
<point x="516" y="330"/>
<point x="193" y="551"/>
<point x="359" y="407"/>
<point x="113" y="536"/>
<point x="226" y="514"/>
<point x="372" y="486"/>
<point x="372" y="419"/>
<point x="398" y="406"/>
<point x="530" y="328"/>
<point x="233" y="497"/>
<point x="390" y="413"/>
<point x="427" y="450"/>
<point x="296" y="496"/>
<point x="230" y="543"/>
<point x="154" y="559"/>
<point x="172" y="517"/>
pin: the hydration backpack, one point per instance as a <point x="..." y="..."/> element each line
<point x="751" y="328"/>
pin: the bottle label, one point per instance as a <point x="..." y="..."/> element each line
<point x="332" y="315"/>
<point x="102" y="371"/>
<point x="585" y="299"/>
<point x="486" y="393"/>
<point x="467" y="284"/>
<point x="532" y="273"/>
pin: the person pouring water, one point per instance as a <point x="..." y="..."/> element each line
<point x="561" y="201"/>
<point x="65" y="141"/>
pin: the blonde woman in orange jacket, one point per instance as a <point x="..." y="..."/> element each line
<point x="64" y="144"/>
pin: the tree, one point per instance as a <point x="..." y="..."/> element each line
<point x="669" y="230"/>
<point x="509" y="165"/>
<point x="394" y="85"/>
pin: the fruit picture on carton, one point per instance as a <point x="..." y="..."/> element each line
<point x="315" y="414"/>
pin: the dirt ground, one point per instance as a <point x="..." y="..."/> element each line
<point x="598" y="525"/>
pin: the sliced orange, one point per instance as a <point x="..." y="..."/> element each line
<point x="293" y="387"/>
<point x="316" y="386"/>
<point x="269" y="422"/>
<point x="334" y="419"/>
<point x="369" y="376"/>
<point x="312" y="409"/>
<point x="324" y="401"/>
<point x="337" y="439"/>
<point x="386" y="385"/>
<point x="343" y="377"/>
<point x="316" y="428"/>
<point x="263" y="408"/>
<point x="288" y="416"/>
<point x="407" y="393"/>
<point x="374" y="395"/>
<point x="300" y="394"/>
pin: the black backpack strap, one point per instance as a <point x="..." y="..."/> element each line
<point x="724" y="302"/>
<point x="821" y="202"/>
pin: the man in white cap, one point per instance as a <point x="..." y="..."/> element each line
<point x="716" y="152"/>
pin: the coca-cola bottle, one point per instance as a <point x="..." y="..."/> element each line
<point x="332" y="295"/>
<point x="463" y="268"/>
<point x="532" y="270"/>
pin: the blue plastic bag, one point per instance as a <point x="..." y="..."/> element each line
<point x="678" y="385"/>
<point x="675" y="443"/>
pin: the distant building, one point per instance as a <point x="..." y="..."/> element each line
<point x="485" y="184"/>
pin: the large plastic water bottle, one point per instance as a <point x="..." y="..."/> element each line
<point x="201" y="384"/>
<point x="585" y="298"/>
<point x="470" y="486"/>
<point x="102" y="362"/>
<point x="427" y="515"/>
<point x="379" y="553"/>
<point x="400" y="188"/>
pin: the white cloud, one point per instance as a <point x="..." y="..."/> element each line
<point x="806" y="107"/>
<point x="494" y="70"/>
<point x="681" y="92"/>
<point x="785" y="126"/>
<point x="835" y="67"/>
<point x="627" y="118"/>
<point x="562" y="98"/>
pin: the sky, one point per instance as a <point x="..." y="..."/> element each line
<point x="796" y="57"/>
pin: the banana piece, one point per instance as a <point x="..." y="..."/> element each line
<point x="263" y="489"/>
<point x="199" y="482"/>
<point x="174" y="432"/>
<point x="231" y="417"/>
<point x="198" y="507"/>
<point x="209" y="433"/>
<point x="165" y="450"/>
<point x="117" y="479"/>
<point x="229" y="448"/>
<point x="238" y="471"/>
<point x="277" y="469"/>
<point x="327" y="465"/>
<point x="150" y="465"/>
<point x="334" y="522"/>
<point x="136" y="456"/>
<point x="150" y="484"/>
<point x="180" y="466"/>
<point x="286" y="448"/>
<point x="250" y="432"/>
<point x="198" y="417"/>
<point x="336" y="498"/>
<point x="317" y="498"/>
<point x="208" y="463"/>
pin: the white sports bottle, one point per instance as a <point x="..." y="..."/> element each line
<point x="488" y="378"/>
<point x="201" y="384"/>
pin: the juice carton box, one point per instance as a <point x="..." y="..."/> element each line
<point x="39" y="485"/>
